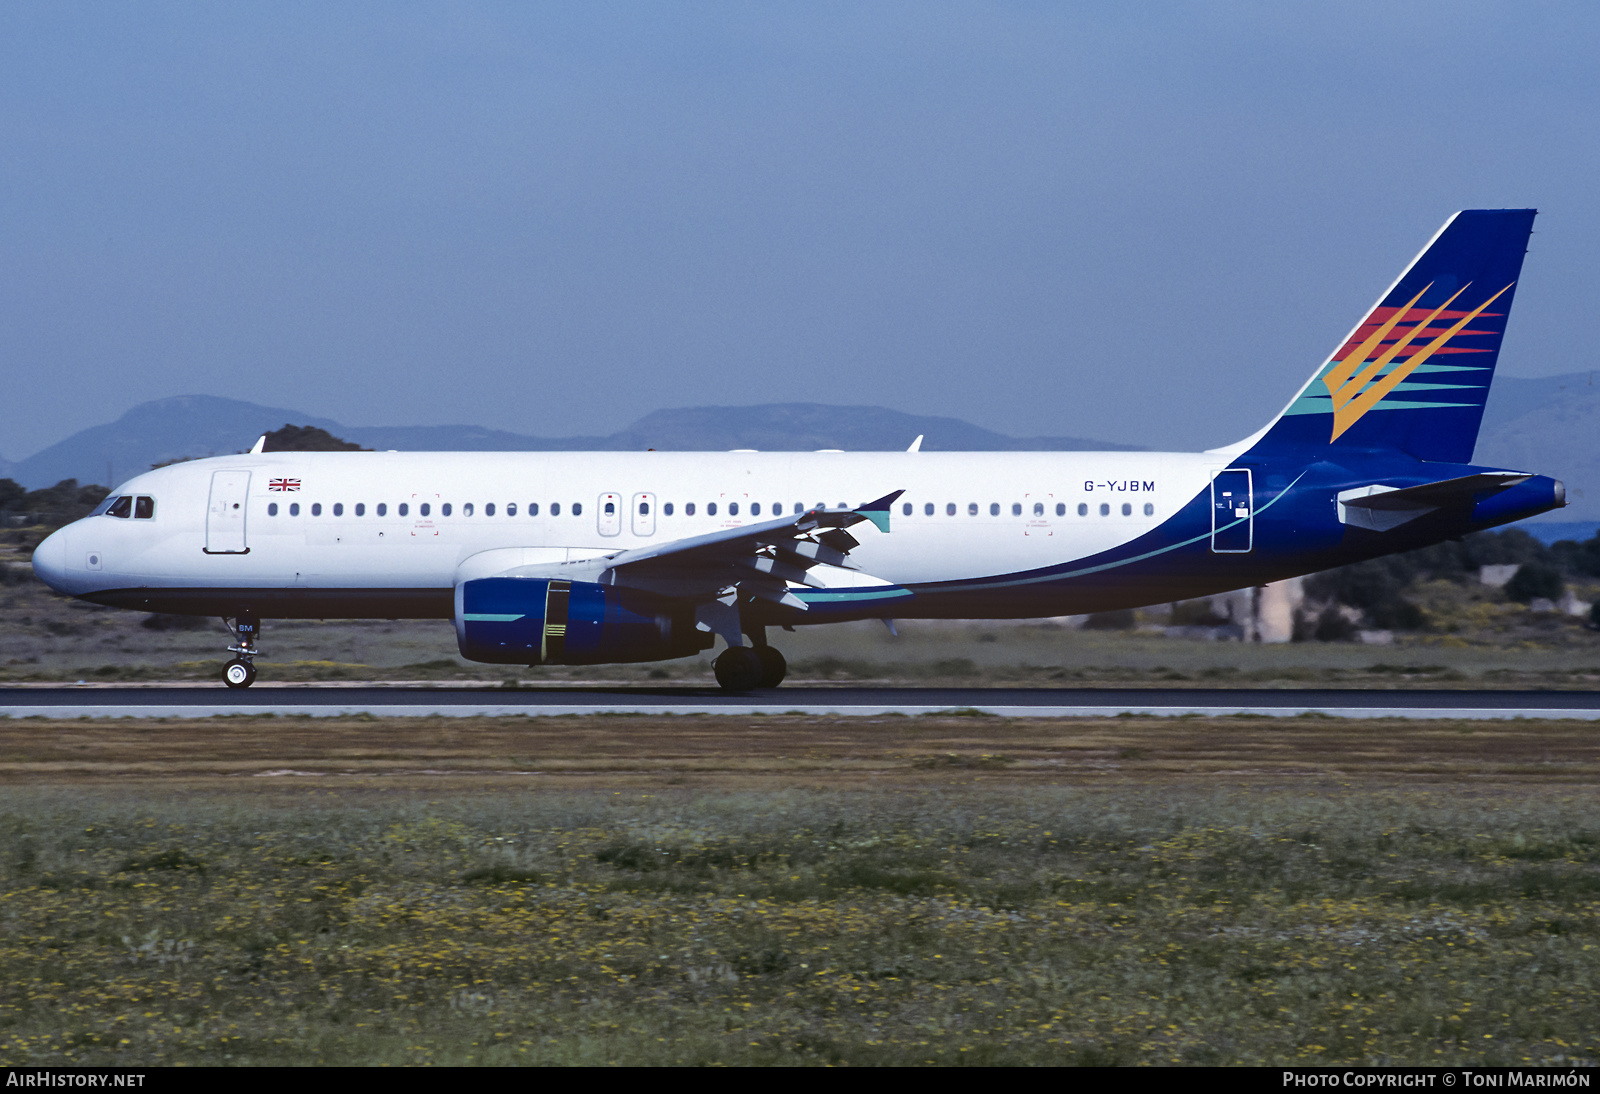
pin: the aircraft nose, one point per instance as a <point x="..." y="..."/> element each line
<point x="50" y="560"/>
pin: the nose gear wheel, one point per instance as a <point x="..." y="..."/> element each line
<point x="238" y="673"/>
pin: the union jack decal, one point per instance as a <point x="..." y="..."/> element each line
<point x="283" y="485"/>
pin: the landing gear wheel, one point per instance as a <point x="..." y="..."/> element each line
<point x="773" y="667"/>
<point x="738" y="668"/>
<point x="238" y="673"/>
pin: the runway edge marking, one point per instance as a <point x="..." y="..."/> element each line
<point x="492" y="710"/>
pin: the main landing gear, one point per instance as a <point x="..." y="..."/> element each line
<point x="745" y="668"/>
<point x="241" y="671"/>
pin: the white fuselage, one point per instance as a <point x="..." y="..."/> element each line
<point x="961" y="516"/>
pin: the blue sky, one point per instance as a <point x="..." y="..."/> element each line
<point x="1140" y="222"/>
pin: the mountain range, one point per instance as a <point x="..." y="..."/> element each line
<point x="190" y="426"/>
<point x="1549" y="425"/>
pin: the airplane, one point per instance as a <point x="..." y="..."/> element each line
<point x="592" y="558"/>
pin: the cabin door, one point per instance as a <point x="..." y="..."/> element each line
<point x="1232" y="512"/>
<point x="225" y="513"/>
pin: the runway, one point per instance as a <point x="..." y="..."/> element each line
<point x="421" y="701"/>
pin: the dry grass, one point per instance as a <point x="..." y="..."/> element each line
<point x="739" y="752"/>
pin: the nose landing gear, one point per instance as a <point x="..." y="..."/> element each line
<point x="241" y="671"/>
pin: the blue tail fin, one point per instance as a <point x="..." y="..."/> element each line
<point x="1415" y="373"/>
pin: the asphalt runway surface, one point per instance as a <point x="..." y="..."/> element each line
<point x="415" y="701"/>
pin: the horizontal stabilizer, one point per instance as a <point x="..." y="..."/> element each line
<point x="1380" y="508"/>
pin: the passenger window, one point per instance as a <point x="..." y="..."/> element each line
<point x="688" y="509"/>
<point x="272" y="509"/>
<point x="611" y="508"/>
<point x="667" y="509"/>
<point x="755" y="509"/>
<point x="711" y="509"/>
<point x="488" y="510"/>
<point x="644" y="509"/>
<point x="799" y="507"/>
<point x="1127" y="509"/>
<point x="1149" y="510"/>
<point x="444" y="510"/>
<point x="927" y="510"/>
<point x="905" y="510"/>
<point x="424" y="509"/>
<point x="403" y="509"/>
<point x="1038" y="508"/>
<point x="383" y="509"/>
<point x="1083" y="509"/>
<point x="316" y="508"/>
<point x="1105" y="510"/>
<point x="555" y="509"/>
<point x="144" y="508"/>
<point x="950" y="510"/>
<point x="1061" y="509"/>
<point x="733" y="508"/>
<point x="122" y="507"/>
<point x="972" y="508"/>
<point x="338" y="508"/>
<point x="533" y="509"/>
<point x="577" y="508"/>
<point x="1016" y="509"/>
<point x="294" y="509"/>
<point x="361" y="508"/>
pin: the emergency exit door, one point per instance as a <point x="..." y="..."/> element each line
<point x="608" y="512"/>
<point x="644" y="514"/>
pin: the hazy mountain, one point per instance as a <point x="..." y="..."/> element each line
<point x="1552" y="426"/>
<point x="1510" y="398"/>
<point x="204" y="425"/>
<point x="157" y="432"/>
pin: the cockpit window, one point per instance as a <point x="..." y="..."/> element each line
<point x="144" y="508"/>
<point x="122" y="507"/>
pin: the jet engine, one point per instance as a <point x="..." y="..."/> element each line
<point x="534" y="621"/>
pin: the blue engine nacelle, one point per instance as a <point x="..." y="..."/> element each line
<point x="533" y="621"/>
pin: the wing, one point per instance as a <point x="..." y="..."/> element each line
<point x="764" y="561"/>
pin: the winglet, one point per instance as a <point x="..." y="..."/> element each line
<point x="878" y="511"/>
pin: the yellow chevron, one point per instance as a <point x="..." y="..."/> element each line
<point x="1352" y="411"/>
<point x="1346" y="368"/>
<point x="1350" y="390"/>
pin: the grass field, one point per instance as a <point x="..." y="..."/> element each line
<point x="799" y="890"/>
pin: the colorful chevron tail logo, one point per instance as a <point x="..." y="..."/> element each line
<point x="1357" y="380"/>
